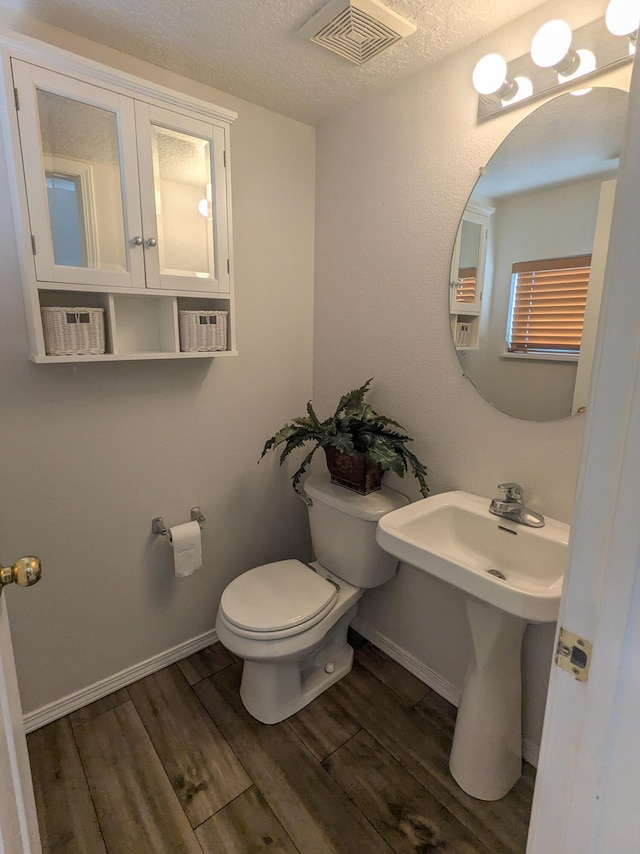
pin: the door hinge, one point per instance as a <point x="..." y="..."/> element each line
<point x="33" y="244"/>
<point x="573" y="654"/>
<point x="224" y="158"/>
<point x="228" y="266"/>
<point x="16" y="98"/>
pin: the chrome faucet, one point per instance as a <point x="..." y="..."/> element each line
<point x="512" y="506"/>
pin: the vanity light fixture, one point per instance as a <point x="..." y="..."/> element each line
<point x="554" y="63"/>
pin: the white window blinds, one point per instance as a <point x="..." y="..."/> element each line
<point x="548" y="299"/>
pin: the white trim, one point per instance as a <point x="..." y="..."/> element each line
<point x="541" y="357"/>
<point x="433" y="680"/>
<point x="483" y="210"/>
<point x="32" y="50"/>
<point x="84" y="172"/>
<point x="72" y="702"/>
<point x="530" y="751"/>
<point x="425" y="674"/>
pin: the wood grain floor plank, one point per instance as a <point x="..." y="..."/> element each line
<point x="205" y="663"/>
<point x="500" y="825"/>
<point x="440" y="713"/>
<point x="323" y="726"/>
<point x="81" y="716"/>
<point x="308" y="803"/>
<point x="399" y="807"/>
<point x="136" y="806"/>
<point x="382" y="751"/>
<point x="407" y="686"/>
<point x="66" y="815"/>
<point x="202" y="768"/>
<point x="245" y="826"/>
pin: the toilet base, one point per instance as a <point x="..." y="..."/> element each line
<point x="272" y="691"/>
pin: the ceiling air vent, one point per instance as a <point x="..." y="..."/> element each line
<point x="357" y="29"/>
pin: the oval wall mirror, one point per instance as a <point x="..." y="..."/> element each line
<point x="529" y="257"/>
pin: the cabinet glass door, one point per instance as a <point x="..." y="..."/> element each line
<point x="184" y="207"/>
<point x="468" y="263"/>
<point x="76" y="174"/>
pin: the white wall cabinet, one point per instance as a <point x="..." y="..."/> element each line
<point x="123" y="201"/>
<point x="468" y="269"/>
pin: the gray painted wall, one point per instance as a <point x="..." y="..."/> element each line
<point x="93" y="452"/>
<point x="394" y="175"/>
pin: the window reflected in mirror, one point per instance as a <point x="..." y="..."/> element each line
<point x="547" y="306"/>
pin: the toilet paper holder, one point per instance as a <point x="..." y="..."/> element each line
<point x="158" y="526"/>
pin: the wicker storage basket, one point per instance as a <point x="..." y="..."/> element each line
<point x="202" y="331"/>
<point x="77" y="331"/>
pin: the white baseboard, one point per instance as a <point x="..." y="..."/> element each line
<point x="58" y="709"/>
<point x="530" y="752"/>
<point x="425" y="674"/>
<point x="72" y="702"/>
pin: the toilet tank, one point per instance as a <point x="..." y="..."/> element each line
<point x="343" y="528"/>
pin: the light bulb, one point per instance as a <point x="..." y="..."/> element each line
<point x="524" y="90"/>
<point x="623" y="17"/>
<point x="586" y="65"/>
<point x="203" y="207"/>
<point x="489" y="74"/>
<point x="551" y="44"/>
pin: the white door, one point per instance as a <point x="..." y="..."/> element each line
<point x="586" y="799"/>
<point x="18" y="821"/>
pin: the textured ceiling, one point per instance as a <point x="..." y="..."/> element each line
<point x="250" y="48"/>
<point x="567" y="139"/>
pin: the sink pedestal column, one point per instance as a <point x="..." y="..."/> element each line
<point x="486" y="756"/>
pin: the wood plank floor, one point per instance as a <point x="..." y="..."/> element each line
<point x="175" y="764"/>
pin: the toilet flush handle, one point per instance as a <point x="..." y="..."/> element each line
<point x="305" y="499"/>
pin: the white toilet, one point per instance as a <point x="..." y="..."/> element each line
<point x="288" y="620"/>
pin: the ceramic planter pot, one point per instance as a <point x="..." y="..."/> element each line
<point x="358" y="472"/>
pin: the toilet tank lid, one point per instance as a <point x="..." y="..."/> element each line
<point x="369" y="507"/>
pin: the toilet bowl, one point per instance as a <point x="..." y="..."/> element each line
<point x="288" y="620"/>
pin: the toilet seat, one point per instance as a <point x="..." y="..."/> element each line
<point x="277" y="600"/>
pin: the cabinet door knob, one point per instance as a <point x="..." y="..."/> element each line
<point x="152" y="242"/>
<point x="136" y="241"/>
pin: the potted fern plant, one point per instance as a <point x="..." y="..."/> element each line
<point x="359" y="444"/>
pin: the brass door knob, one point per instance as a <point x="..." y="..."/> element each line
<point x="24" y="572"/>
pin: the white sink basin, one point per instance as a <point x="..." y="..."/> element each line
<point x="454" y="537"/>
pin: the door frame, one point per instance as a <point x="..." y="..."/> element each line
<point x="18" y="819"/>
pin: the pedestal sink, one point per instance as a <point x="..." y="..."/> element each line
<point x="511" y="575"/>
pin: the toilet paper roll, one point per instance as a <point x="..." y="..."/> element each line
<point x="187" y="548"/>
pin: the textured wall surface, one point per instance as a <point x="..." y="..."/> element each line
<point x="393" y="178"/>
<point x="93" y="452"/>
